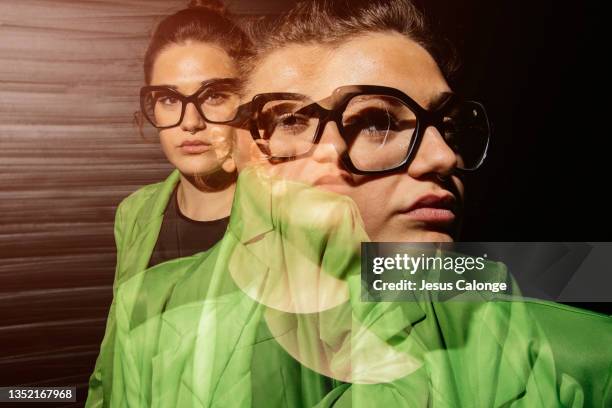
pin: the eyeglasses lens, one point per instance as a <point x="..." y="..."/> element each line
<point x="164" y="107"/>
<point x="287" y="127"/>
<point x="466" y="131"/>
<point x="378" y="130"/>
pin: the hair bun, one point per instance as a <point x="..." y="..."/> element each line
<point x="212" y="5"/>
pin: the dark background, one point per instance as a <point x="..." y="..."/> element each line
<point x="538" y="67"/>
<point x="69" y="74"/>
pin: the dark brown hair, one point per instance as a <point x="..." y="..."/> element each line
<point x="333" y="22"/>
<point x="204" y="21"/>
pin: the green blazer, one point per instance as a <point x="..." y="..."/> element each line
<point x="581" y="342"/>
<point x="183" y="334"/>
<point x="138" y="221"/>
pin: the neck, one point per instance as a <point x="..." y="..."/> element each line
<point x="206" y="198"/>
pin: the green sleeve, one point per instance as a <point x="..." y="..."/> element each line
<point x="101" y="378"/>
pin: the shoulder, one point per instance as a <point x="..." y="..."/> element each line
<point x="145" y="199"/>
<point x="568" y="321"/>
<point x="138" y="198"/>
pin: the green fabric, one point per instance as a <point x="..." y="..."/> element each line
<point x="137" y="223"/>
<point x="230" y="327"/>
<point x="581" y="342"/>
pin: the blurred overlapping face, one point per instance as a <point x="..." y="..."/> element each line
<point x="193" y="146"/>
<point x="421" y="203"/>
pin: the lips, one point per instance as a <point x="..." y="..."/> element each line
<point x="431" y="208"/>
<point x="194" y="146"/>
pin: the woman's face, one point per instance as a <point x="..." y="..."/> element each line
<point x="194" y="146"/>
<point x="386" y="202"/>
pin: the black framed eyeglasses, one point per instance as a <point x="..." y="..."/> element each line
<point x="216" y="101"/>
<point x="382" y="127"/>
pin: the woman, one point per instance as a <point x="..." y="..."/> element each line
<point x="190" y="72"/>
<point x="190" y="69"/>
<point x="332" y="72"/>
<point x="277" y="319"/>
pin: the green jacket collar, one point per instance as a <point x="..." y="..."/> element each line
<point x="251" y="214"/>
<point x="147" y="226"/>
<point x="156" y="206"/>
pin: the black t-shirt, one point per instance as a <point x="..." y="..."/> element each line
<point x="180" y="236"/>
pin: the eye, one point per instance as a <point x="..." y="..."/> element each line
<point x="216" y="98"/>
<point x="284" y="124"/>
<point x="291" y="123"/>
<point x="290" y="120"/>
<point x="449" y="124"/>
<point x="452" y="131"/>
<point x="371" y="123"/>
<point x="168" y="100"/>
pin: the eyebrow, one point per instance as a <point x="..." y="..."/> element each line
<point x="283" y="107"/>
<point x="368" y="97"/>
<point x="210" y="81"/>
<point x="438" y="100"/>
<point x="433" y="104"/>
<point x="168" y="86"/>
<point x="225" y="81"/>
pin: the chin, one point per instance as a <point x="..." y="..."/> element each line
<point x="415" y="236"/>
<point x="433" y="236"/>
<point x="199" y="169"/>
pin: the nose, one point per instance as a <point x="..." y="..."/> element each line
<point x="329" y="146"/>
<point x="434" y="156"/>
<point x="192" y="120"/>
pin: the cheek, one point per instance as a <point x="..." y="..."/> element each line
<point x="379" y="201"/>
<point x="245" y="151"/>
<point x="222" y="138"/>
<point x="460" y="187"/>
<point x="167" y="139"/>
<point x="374" y="200"/>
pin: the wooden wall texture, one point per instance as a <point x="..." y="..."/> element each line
<point x="69" y="78"/>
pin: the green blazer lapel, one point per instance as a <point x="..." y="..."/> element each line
<point x="146" y="228"/>
<point x="251" y="214"/>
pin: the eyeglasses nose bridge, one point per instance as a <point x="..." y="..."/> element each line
<point x="193" y="99"/>
<point x="185" y="103"/>
<point x="325" y="116"/>
<point x="433" y="119"/>
<point x="337" y="140"/>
